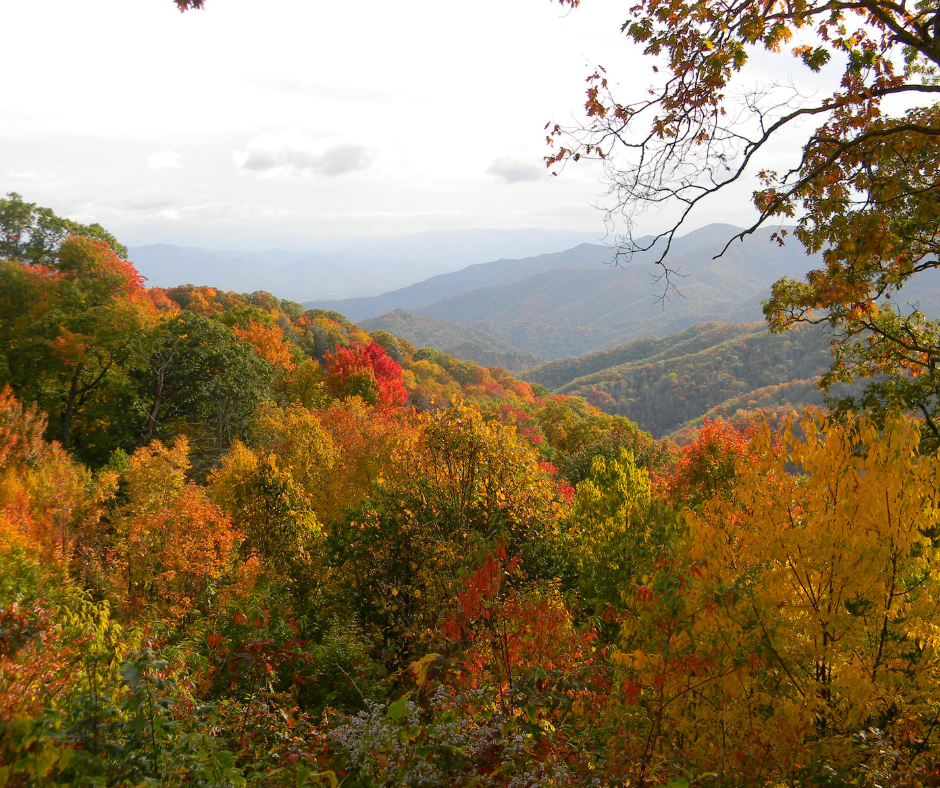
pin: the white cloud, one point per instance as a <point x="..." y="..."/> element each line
<point x="512" y="169"/>
<point x="24" y="175"/>
<point x="318" y="90"/>
<point x="295" y="153"/>
<point x="165" y="160"/>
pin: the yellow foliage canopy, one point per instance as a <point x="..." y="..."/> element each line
<point x="804" y="614"/>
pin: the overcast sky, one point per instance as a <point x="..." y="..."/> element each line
<point x="262" y="122"/>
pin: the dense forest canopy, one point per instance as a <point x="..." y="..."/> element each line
<point x="243" y="543"/>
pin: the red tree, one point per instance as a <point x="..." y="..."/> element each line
<point x="367" y="372"/>
<point x="707" y="466"/>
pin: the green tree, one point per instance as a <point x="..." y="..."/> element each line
<point x="610" y="516"/>
<point x="34" y="234"/>
<point x="68" y="331"/>
<point x="197" y="378"/>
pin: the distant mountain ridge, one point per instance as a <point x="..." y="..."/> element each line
<point x="563" y="312"/>
<point x="575" y="302"/>
<point x="292" y="275"/>
<point x="457" y="249"/>
<point x="467" y="344"/>
<point x="481" y="275"/>
<point x="343" y="268"/>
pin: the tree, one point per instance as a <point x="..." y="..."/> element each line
<point x="578" y="433"/>
<point x="299" y="442"/>
<point x="611" y="529"/>
<point x="366" y="441"/>
<point x="69" y="327"/>
<point x="273" y="513"/>
<point x="367" y="372"/>
<point x="512" y="638"/>
<point x="33" y="234"/>
<point x="274" y="487"/>
<point x="861" y="190"/>
<point x="173" y="547"/>
<point x="269" y="343"/>
<point x="708" y="465"/>
<point x="799" y="616"/>
<point x="196" y="377"/>
<point x="45" y="497"/>
<point x="453" y="489"/>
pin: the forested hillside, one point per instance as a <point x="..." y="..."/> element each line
<point x="663" y="384"/>
<point x="460" y="341"/>
<point x="560" y="373"/>
<point x="247" y="543"/>
<point x="255" y="545"/>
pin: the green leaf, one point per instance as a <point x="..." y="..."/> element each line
<point x="397" y="709"/>
<point x="131" y="674"/>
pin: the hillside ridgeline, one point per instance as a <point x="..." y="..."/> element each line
<point x="576" y="302"/>
<point x="665" y="385"/>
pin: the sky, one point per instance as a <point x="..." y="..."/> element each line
<point x="261" y="123"/>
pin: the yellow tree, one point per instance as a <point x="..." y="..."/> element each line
<point x="805" y="615"/>
<point x="273" y="489"/>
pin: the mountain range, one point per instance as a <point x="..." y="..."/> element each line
<point x="613" y="334"/>
<point x="482" y="276"/>
<point x="575" y="302"/>
<point x="342" y="269"/>
<point x="293" y="275"/>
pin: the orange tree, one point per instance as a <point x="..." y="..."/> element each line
<point x="861" y="189"/>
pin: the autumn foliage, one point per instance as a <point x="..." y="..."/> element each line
<point x="367" y="372"/>
<point x="272" y="550"/>
<point x="708" y="465"/>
